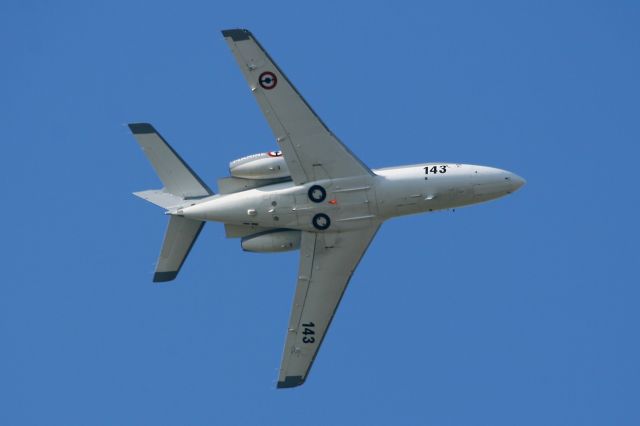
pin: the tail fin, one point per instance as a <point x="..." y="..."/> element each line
<point x="175" y="174"/>
<point x="180" y="183"/>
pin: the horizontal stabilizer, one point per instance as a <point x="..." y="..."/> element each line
<point x="175" y="174"/>
<point x="178" y="240"/>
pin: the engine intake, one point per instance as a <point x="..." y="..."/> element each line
<point x="272" y="241"/>
<point x="268" y="165"/>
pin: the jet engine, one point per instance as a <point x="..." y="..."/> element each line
<point x="268" y="165"/>
<point x="272" y="242"/>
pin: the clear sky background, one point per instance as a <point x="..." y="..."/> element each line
<point x="523" y="311"/>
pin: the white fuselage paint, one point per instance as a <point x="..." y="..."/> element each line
<point x="359" y="201"/>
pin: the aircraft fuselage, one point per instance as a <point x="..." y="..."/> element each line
<point x="355" y="202"/>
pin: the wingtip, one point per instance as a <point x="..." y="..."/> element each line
<point x="141" y="128"/>
<point x="160" y="277"/>
<point x="290" y="382"/>
<point x="237" y="34"/>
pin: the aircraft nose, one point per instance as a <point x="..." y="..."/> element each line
<point x="516" y="182"/>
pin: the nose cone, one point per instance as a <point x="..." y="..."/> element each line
<point x="516" y="182"/>
<point x="491" y="183"/>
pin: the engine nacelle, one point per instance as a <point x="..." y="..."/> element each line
<point x="268" y="165"/>
<point x="272" y="242"/>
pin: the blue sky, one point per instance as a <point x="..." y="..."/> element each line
<point x="521" y="311"/>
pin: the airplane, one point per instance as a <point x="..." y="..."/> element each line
<point x="313" y="194"/>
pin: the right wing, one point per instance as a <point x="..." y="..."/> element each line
<point x="327" y="261"/>
<point x="311" y="151"/>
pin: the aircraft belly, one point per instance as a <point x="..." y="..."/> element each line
<point x="277" y="211"/>
<point x="348" y="204"/>
<point x="345" y="204"/>
<point x="342" y="216"/>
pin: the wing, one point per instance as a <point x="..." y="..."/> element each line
<point x="311" y="151"/>
<point x="327" y="262"/>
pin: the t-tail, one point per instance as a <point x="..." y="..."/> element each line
<point x="181" y="187"/>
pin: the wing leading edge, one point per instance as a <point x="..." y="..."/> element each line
<point x="311" y="151"/>
<point x="326" y="266"/>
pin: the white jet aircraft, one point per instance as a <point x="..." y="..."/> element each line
<point x="314" y="195"/>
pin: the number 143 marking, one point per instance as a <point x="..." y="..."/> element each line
<point x="435" y="169"/>
<point x="308" y="332"/>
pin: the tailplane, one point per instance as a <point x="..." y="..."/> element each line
<point x="178" y="239"/>
<point x="175" y="174"/>
<point x="181" y="186"/>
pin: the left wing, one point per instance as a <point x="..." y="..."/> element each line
<point x="311" y="151"/>
<point x="327" y="261"/>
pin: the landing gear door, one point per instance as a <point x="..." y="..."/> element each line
<point x="279" y="210"/>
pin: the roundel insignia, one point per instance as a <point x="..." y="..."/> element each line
<point x="274" y="153"/>
<point x="317" y="194"/>
<point x="267" y="80"/>
<point x="321" y="221"/>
